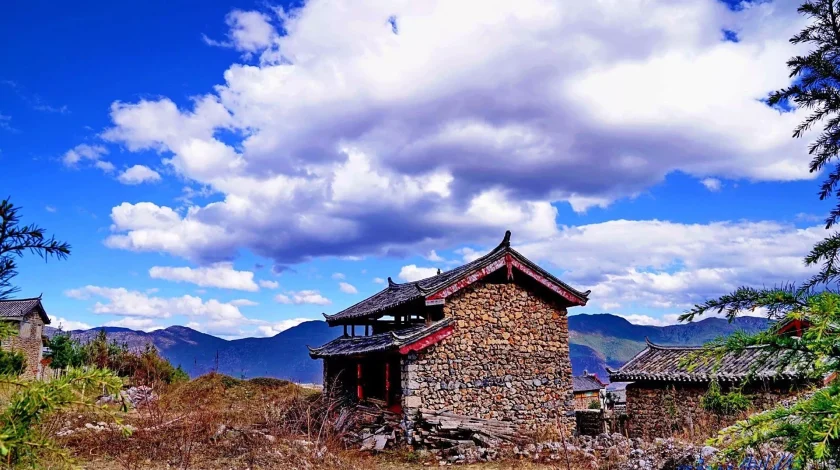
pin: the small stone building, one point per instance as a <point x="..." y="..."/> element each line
<point x="488" y="339"/>
<point x="588" y="389"/>
<point x="29" y="317"/>
<point x="668" y="382"/>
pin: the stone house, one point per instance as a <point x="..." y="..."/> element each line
<point x="587" y="389"/>
<point x="488" y="339"/>
<point x="663" y="399"/>
<point x="29" y="318"/>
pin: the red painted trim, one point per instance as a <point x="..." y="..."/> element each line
<point x="510" y="262"/>
<point x="551" y="285"/>
<point x="387" y="383"/>
<point x="427" y="341"/>
<point x="359" y="393"/>
<point x="797" y="325"/>
<point x="467" y="280"/>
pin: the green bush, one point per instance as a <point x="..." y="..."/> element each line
<point x="594" y="405"/>
<point x="723" y="404"/>
<point x="12" y="363"/>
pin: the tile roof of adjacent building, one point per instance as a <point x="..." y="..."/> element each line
<point x="586" y="383"/>
<point x="16" y="309"/>
<point x="380" y="342"/>
<point x="671" y="364"/>
<point x="396" y="294"/>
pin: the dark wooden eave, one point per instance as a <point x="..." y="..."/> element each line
<point x="16" y="309"/>
<point x="435" y="289"/>
<point x="401" y="341"/>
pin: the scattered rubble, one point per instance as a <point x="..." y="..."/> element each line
<point x="132" y="397"/>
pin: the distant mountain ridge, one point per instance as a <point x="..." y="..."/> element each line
<point x="596" y="341"/>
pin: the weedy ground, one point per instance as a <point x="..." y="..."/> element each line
<point x="217" y="422"/>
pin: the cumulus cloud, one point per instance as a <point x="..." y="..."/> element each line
<point x="87" y="153"/>
<point x="244" y="303"/>
<point x="144" y="324"/>
<point x="269" y="284"/>
<point x="670" y="265"/>
<point x="302" y="297"/>
<point x="337" y="156"/>
<point x="378" y="280"/>
<point x="221" y="275"/>
<point x="279" y="327"/>
<point x="413" y="273"/>
<point x="138" y="174"/>
<point x="712" y="184"/>
<point x="347" y="288"/>
<point x="69" y="325"/>
<point x="213" y="316"/>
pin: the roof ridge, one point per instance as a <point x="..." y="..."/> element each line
<point x="21" y="300"/>
<point x="653" y="345"/>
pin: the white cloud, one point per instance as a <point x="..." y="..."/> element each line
<point x="337" y="156"/>
<point x="339" y="276"/>
<point x="434" y="257"/>
<point x="413" y="273"/>
<point x="275" y="328"/>
<point x="88" y="153"/>
<point x="347" y="288"/>
<point x="378" y="280"/>
<point x="302" y="297"/>
<point x="244" y="303"/>
<point x="269" y="284"/>
<point x="138" y="174"/>
<point x="144" y="324"/>
<point x="250" y="32"/>
<point x="50" y="208"/>
<point x="221" y="275"/>
<point x="69" y="325"/>
<point x="638" y="319"/>
<point x="667" y="265"/>
<point x="712" y="184"/>
<point x="212" y="315"/>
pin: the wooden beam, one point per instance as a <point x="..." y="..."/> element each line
<point x="359" y="394"/>
<point x="427" y="341"/>
<point x="387" y="383"/>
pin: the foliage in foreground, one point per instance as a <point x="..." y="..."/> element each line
<point x="810" y="428"/>
<point x="17" y="239"/>
<point x="141" y="367"/>
<point x="21" y="441"/>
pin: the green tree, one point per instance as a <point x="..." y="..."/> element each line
<point x="65" y="351"/>
<point x="17" y="239"/>
<point x="810" y="428"/>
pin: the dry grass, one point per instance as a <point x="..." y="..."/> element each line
<point x="217" y="422"/>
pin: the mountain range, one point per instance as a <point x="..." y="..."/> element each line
<point x="596" y="341"/>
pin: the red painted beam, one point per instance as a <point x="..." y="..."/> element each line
<point x="427" y="341"/>
<point x="359" y="393"/>
<point x="509" y="262"/>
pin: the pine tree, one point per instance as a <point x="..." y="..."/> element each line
<point x="810" y="428"/>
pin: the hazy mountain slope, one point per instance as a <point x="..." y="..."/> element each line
<point x="596" y="341"/>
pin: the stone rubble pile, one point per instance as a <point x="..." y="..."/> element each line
<point x="132" y="397"/>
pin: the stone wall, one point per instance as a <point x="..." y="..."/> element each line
<point x="29" y="342"/>
<point x="508" y="359"/>
<point x="670" y="410"/>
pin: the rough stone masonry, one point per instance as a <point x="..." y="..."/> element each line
<point x="507" y="360"/>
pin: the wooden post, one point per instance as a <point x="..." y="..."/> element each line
<point x="353" y="330"/>
<point x="345" y="330"/>
<point x="359" y="393"/>
<point x="387" y="383"/>
<point x="366" y="330"/>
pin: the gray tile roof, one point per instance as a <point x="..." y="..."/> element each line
<point x="396" y="294"/>
<point x="17" y="308"/>
<point x="380" y="342"/>
<point x="671" y="364"/>
<point x="586" y="383"/>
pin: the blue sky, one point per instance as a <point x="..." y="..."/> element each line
<point x="239" y="167"/>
